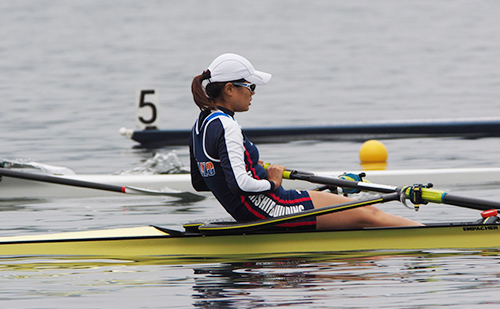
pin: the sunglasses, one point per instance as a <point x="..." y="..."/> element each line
<point x="250" y="87"/>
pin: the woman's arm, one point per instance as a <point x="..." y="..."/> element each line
<point x="232" y="153"/>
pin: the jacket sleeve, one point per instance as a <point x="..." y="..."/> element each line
<point x="232" y="155"/>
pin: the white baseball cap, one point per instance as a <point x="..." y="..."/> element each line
<point x="229" y="67"/>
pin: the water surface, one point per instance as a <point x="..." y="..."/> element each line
<point x="69" y="75"/>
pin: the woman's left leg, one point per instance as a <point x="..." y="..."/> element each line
<point x="366" y="216"/>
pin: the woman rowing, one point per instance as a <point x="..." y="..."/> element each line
<point x="225" y="162"/>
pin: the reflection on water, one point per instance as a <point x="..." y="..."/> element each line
<point x="370" y="279"/>
<point x="18" y="204"/>
<point x="344" y="281"/>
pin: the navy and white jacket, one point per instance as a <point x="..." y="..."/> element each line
<point x="225" y="162"/>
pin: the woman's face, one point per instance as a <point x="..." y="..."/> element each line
<point x="240" y="96"/>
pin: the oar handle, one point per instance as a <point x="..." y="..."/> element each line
<point x="294" y="174"/>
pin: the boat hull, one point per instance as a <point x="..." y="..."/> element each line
<point x="150" y="242"/>
<point x="472" y="128"/>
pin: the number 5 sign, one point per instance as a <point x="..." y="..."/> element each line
<point x="146" y="109"/>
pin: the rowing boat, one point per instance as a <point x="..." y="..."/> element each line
<point x="12" y="188"/>
<point x="149" y="136"/>
<point x="263" y="238"/>
<point x="156" y="242"/>
<point x="471" y="128"/>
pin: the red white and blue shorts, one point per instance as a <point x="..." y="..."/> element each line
<point x="278" y="203"/>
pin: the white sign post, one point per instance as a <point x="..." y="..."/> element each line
<point x="147" y="109"/>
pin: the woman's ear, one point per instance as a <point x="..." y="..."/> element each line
<point x="229" y="89"/>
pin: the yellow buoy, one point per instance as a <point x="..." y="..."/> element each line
<point x="373" y="155"/>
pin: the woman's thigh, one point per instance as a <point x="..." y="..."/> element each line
<point x="365" y="216"/>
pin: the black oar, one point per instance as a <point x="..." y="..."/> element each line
<point x="90" y="185"/>
<point x="337" y="182"/>
<point x="425" y="194"/>
<point x="238" y="228"/>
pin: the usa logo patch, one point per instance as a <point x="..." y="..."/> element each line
<point x="206" y="169"/>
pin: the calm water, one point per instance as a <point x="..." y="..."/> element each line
<point x="69" y="72"/>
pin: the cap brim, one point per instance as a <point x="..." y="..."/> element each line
<point x="259" y="78"/>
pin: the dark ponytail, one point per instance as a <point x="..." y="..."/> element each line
<point x="205" y="98"/>
<point x="199" y="95"/>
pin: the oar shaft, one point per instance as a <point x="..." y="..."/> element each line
<point x="469" y="202"/>
<point x="428" y="194"/>
<point x="339" y="182"/>
<point x="94" y="185"/>
<point x="61" y="180"/>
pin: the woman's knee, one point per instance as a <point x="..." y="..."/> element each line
<point x="368" y="215"/>
<point x="323" y="199"/>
